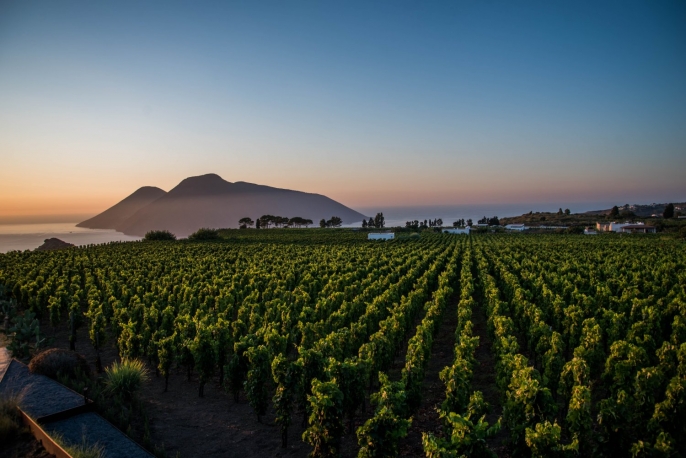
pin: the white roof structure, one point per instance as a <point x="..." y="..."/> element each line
<point x="380" y="236"/>
<point x="464" y="230"/>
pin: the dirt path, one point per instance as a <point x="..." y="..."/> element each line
<point x="484" y="379"/>
<point x="425" y="419"/>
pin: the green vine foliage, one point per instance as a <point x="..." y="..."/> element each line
<point x="257" y="379"/>
<point x="380" y="435"/>
<point x="287" y="376"/>
<point x="325" y="421"/>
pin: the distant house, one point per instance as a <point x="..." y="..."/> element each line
<point x="516" y="227"/>
<point x="636" y="229"/>
<point x="590" y="231"/>
<point x="380" y="236"/>
<point x="464" y="230"/>
<point x="619" y="227"/>
<point x="603" y="227"/>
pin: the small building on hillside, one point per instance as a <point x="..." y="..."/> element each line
<point x="590" y="231"/>
<point x="636" y="229"/>
<point x="456" y="230"/>
<point x="380" y="236"/>
<point x="603" y="227"/>
<point x="516" y="227"/>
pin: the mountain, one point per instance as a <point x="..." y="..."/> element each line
<point x="116" y="215"/>
<point x="210" y="201"/>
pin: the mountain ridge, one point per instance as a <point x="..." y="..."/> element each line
<point x="123" y="209"/>
<point x="210" y="201"/>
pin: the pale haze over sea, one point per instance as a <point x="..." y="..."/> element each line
<point x="31" y="236"/>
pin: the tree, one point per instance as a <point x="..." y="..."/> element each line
<point x="266" y="221"/>
<point x="379" y="221"/>
<point x="669" y="211"/>
<point x="614" y="212"/>
<point x="559" y="212"/>
<point x="364" y="223"/>
<point x="567" y="211"/>
<point x="335" y="221"/>
<point x="204" y="234"/>
<point x="257" y="224"/>
<point x="245" y="222"/>
<point x="159" y="236"/>
<point x="469" y="222"/>
<point x="322" y="223"/>
<point x="370" y="223"/>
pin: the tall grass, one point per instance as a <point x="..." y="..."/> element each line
<point x="125" y="378"/>
<point x="10" y="421"/>
<point x="82" y="450"/>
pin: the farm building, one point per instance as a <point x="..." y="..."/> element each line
<point x="380" y="236"/>
<point x="516" y="227"/>
<point x="590" y="231"/>
<point x="464" y="230"/>
<point x="636" y="229"/>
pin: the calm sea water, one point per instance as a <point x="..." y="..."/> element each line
<point x="31" y="236"/>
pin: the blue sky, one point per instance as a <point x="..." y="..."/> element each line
<point x="371" y="103"/>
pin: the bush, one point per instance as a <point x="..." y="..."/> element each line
<point x="204" y="234"/>
<point x="125" y="378"/>
<point x="9" y="419"/>
<point x="56" y="361"/>
<point x="157" y="236"/>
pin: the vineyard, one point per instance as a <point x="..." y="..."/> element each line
<point x="588" y="334"/>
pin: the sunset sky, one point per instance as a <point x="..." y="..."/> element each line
<point x="370" y="103"/>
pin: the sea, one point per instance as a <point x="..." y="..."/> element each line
<point x="31" y="236"/>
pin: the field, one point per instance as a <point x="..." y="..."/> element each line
<point x="430" y="345"/>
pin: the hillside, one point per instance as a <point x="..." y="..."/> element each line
<point x="54" y="244"/>
<point x="210" y="201"/>
<point x="117" y="214"/>
<point x="589" y="218"/>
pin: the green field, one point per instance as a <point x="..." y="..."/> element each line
<point x="588" y="334"/>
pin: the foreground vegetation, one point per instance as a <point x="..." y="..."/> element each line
<point x="589" y="334"/>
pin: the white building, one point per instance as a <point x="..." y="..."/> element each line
<point x="456" y="230"/>
<point x="516" y="227"/>
<point x="636" y="229"/>
<point x="380" y="236"/>
<point x="590" y="231"/>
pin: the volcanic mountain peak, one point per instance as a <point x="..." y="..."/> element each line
<point x="210" y="201"/>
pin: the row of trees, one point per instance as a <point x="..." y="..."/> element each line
<point x="427" y="223"/>
<point x="335" y="221"/>
<point x="462" y="223"/>
<point x="494" y="221"/>
<point x="266" y="221"/>
<point x="377" y="222"/>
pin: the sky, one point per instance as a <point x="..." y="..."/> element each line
<point x="370" y="103"/>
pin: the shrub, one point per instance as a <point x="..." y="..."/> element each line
<point x="154" y="236"/>
<point x="125" y="378"/>
<point x="56" y="361"/>
<point x="204" y="234"/>
<point x="9" y="419"/>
